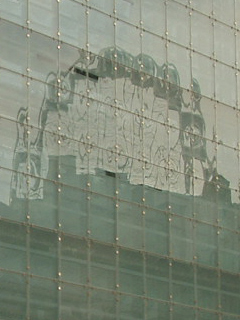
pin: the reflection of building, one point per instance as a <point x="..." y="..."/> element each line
<point x="120" y="200"/>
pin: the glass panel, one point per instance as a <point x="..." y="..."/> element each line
<point x="125" y="189"/>
<point x="227" y="125"/>
<point x="52" y="142"/>
<point x="43" y="299"/>
<point x="182" y="281"/>
<point x="153" y="16"/>
<point x="72" y="24"/>
<point x="106" y="6"/>
<point x="156" y="232"/>
<point x="37" y="107"/>
<point x="200" y="26"/>
<point x="102" y="226"/>
<point x="227" y="178"/>
<point x="43" y="256"/>
<point x="175" y="56"/>
<point x="74" y="302"/>
<point x="85" y="162"/>
<point x="103" y="264"/>
<point x="13" y="43"/>
<point x="224" y="39"/>
<point x="205" y="6"/>
<point x="74" y="260"/>
<point x="124" y="34"/>
<point x="67" y="170"/>
<point x="178" y="31"/>
<point x="19" y="205"/>
<point x="131" y="308"/>
<point x="226" y="90"/>
<point x="13" y="296"/>
<point x="47" y="206"/>
<point x="43" y="17"/>
<point x="13" y="94"/>
<point x="104" y="183"/>
<point x="106" y="140"/>
<point x="183" y="313"/>
<point x="206" y="244"/>
<point x="157" y="199"/>
<point x="10" y="153"/>
<point x="157" y="277"/>
<point x="209" y="111"/>
<point x="205" y="208"/>
<point x="199" y="176"/>
<point x="73" y="210"/>
<point x="14" y="10"/>
<point x="98" y="38"/>
<point x="224" y="11"/>
<point x="203" y="315"/>
<point x="154" y="47"/>
<point x="102" y="305"/>
<point x="7" y="194"/>
<point x="106" y="83"/>
<point x="181" y="205"/>
<point x="125" y="140"/>
<point x="130" y="229"/>
<point x="181" y="238"/>
<point x="128" y="10"/>
<point x="229" y="255"/>
<point x="72" y="61"/>
<point x="42" y="61"/>
<point x="230" y="293"/>
<point x="229" y="217"/>
<point x="13" y="246"/>
<point x="131" y="272"/>
<point x="203" y="71"/>
<point x="137" y="167"/>
<point x="156" y="310"/>
<point x="207" y="283"/>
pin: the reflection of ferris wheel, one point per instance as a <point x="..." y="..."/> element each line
<point x="138" y="74"/>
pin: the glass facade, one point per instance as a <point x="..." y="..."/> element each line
<point x="119" y="164"/>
